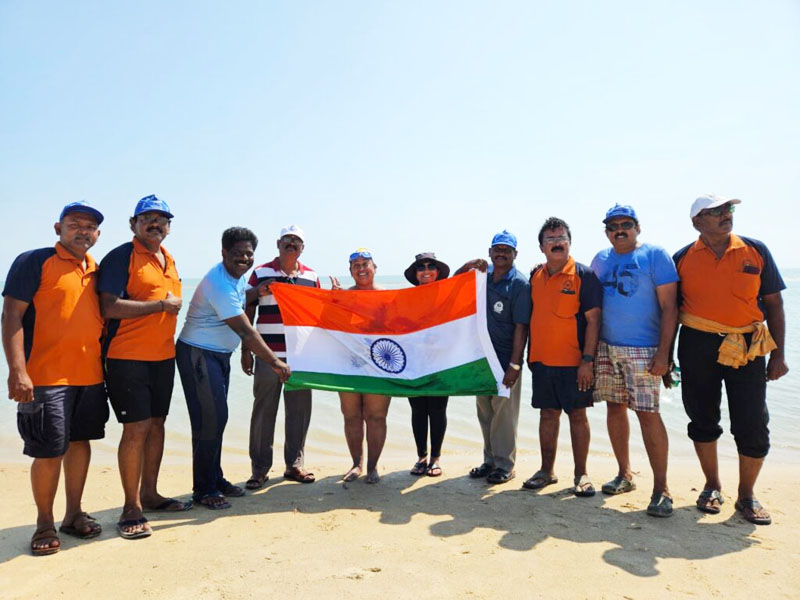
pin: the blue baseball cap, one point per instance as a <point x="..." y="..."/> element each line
<point x="505" y="238"/>
<point x="83" y="207"/>
<point x="149" y="203"/>
<point x="621" y="210"/>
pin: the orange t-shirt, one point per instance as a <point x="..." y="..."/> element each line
<point x="558" y="321"/>
<point x="132" y="272"/>
<point x="728" y="289"/>
<point x="62" y="324"/>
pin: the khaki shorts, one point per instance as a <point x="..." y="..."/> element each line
<point x="621" y="377"/>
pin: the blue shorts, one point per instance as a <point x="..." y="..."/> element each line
<point x="60" y="414"/>
<point x="557" y="388"/>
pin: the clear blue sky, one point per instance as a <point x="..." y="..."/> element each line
<point x="401" y="126"/>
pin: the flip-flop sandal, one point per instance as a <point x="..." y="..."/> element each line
<point x="256" y="482"/>
<point x="501" y="476"/>
<point x="583" y="487"/>
<point x="299" y="475"/>
<point x="618" y="485"/>
<point x="49" y="535"/>
<point x="480" y="472"/>
<point x="750" y="509"/>
<point x="83" y="519"/>
<point x="434" y="470"/>
<point x="419" y="468"/>
<point x="206" y="501"/>
<point x="660" y="505"/>
<point x="705" y="499"/>
<point x="232" y="491"/>
<point x="170" y="505"/>
<point x="539" y="480"/>
<point x="133" y="535"/>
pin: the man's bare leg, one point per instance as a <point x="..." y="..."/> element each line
<point x="45" y="473"/>
<point x="549" y="422"/>
<point x="619" y="435"/>
<point x="131" y="459"/>
<point x="656" y="443"/>
<point x="580" y="434"/>
<point x="76" y="468"/>
<point x="153" y="453"/>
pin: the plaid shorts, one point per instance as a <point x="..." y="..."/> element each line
<point x="621" y="376"/>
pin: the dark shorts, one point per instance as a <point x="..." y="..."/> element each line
<point x="557" y="388"/>
<point x="60" y="414"/>
<point x="701" y="388"/>
<point x="139" y="389"/>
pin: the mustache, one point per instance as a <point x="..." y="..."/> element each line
<point x="155" y="228"/>
<point x="555" y="248"/>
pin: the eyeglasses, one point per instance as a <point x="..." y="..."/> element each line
<point x="555" y="240"/>
<point x="718" y="211"/>
<point x="159" y="219"/>
<point x="625" y="225"/>
<point x="426" y="267"/>
<point x="360" y="253"/>
<point x="291" y="239"/>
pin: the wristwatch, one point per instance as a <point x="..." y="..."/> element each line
<point x="587" y="358"/>
<point x="515" y="367"/>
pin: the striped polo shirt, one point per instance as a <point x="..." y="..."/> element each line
<point x="268" y="322"/>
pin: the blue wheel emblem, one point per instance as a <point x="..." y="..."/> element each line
<point x="388" y="355"/>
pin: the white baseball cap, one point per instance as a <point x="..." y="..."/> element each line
<point x="293" y="230"/>
<point x="710" y="201"/>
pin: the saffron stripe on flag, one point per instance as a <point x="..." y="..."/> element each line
<point x="378" y="312"/>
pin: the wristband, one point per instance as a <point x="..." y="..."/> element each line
<point x="161" y="302"/>
<point x="515" y="367"/>
<point x="587" y="358"/>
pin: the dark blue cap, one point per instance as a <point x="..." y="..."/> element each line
<point x="621" y="210"/>
<point x="149" y="203"/>
<point x="505" y="238"/>
<point x="83" y="207"/>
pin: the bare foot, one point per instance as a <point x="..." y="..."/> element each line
<point x="372" y="476"/>
<point x="353" y="474"/>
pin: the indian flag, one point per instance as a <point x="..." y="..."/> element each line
<point x="429" y="340"/>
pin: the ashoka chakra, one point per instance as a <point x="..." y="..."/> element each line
<point x="388" y="355"/>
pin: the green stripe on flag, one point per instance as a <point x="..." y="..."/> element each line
<point x="471" y="379"/>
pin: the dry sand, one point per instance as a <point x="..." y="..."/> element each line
<point x="406" y="537"/>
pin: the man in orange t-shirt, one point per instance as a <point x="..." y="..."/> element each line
<point x="140" y="295"/>
<point x="51" y="337"/>
<point x="729" y="285"/>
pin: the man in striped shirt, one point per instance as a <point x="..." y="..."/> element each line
<point x="285" y="268"/>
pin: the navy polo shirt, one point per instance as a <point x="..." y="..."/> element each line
<point x="508" y="303"/>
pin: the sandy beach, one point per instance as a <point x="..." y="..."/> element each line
<point x="448" y="537"/>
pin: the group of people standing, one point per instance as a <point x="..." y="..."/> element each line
<point x="75" y="332"/>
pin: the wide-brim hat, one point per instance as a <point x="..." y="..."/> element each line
<point x="411" y="271"/>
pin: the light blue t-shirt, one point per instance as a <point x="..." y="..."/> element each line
<point x="631" y="313"/>
<point x="219" y="296"/>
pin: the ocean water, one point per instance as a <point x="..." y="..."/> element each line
<point x="326" y="439"/>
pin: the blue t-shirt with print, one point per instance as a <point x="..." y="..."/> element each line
<point x="631" y="312"/>
<point x="219" y="296"/>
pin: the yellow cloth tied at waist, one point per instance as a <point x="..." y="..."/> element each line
<point x="733" y="352"/>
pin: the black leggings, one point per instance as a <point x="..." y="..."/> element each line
<point x="435" y="409"/>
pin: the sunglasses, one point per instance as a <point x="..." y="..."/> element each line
<point x="360" y="254"/>
<point x="426" y="267"/>
<point x="159" y="219"/>
<point x="626" y="225"/>
<point x="718" y="211"/>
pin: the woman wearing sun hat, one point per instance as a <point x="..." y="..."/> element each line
<point x="428" y="409"/>
<point x="360" y="409"/>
